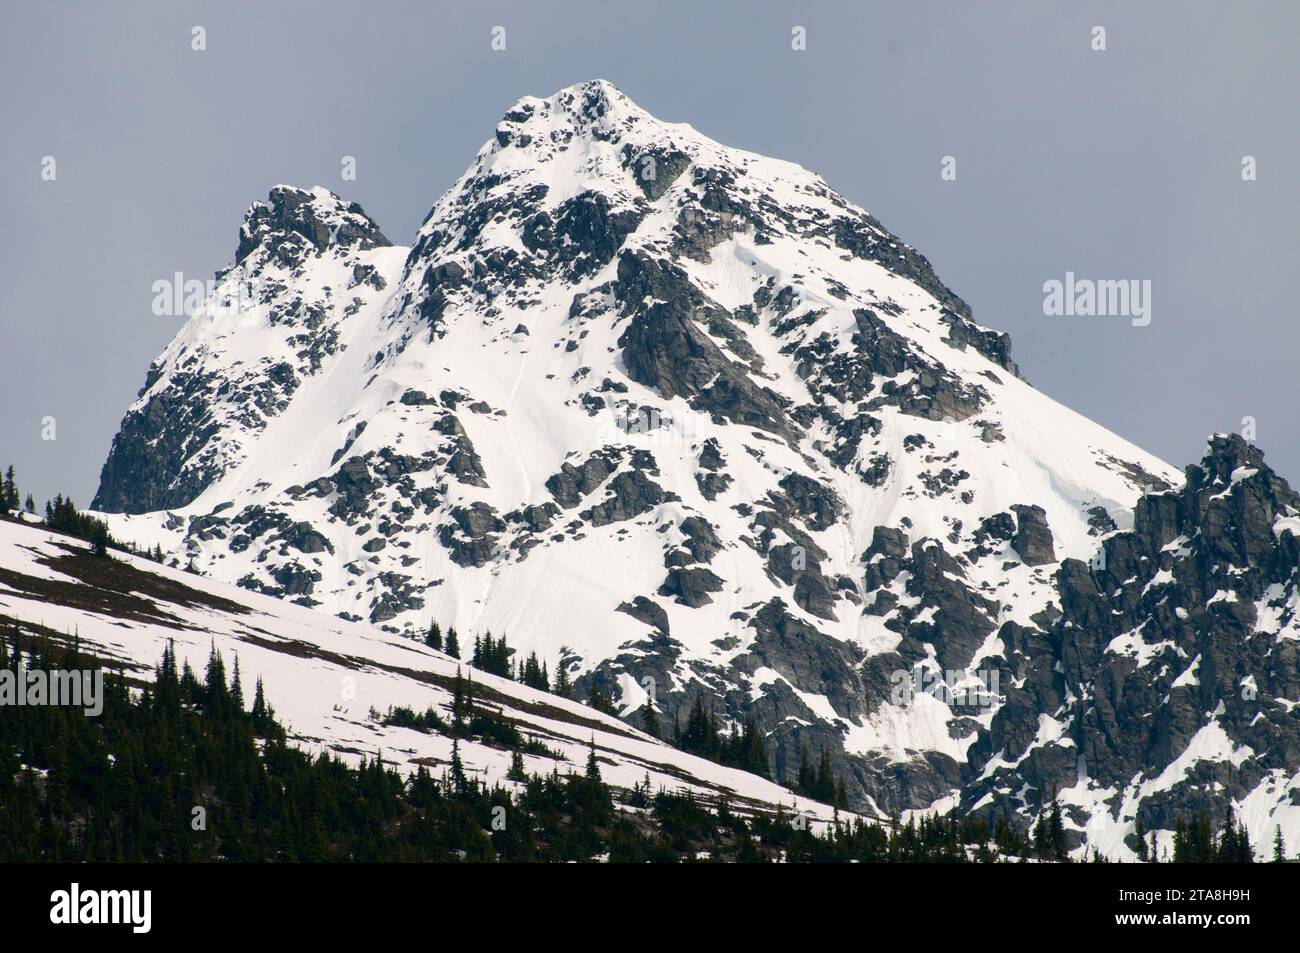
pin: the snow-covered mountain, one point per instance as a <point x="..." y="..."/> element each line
<point x="684" y="420"/>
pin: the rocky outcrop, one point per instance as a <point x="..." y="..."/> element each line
<point x="664" y="348"/>
<point x="293" y="223"/>
<point x="1173" y="634"/>
<point x="1033" y="539"/>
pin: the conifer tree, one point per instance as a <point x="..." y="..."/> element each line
<point x="562" y="686"/>
<point x="1234" y="842"/>
<point x="601" y="701"/>
<point x="9" y="490"/>
<point x="457" y="704"/>
<point x="236" y="689"/>
<point x="649" y="720"/>
<point x="457" y="768"/>
<point x="262" y="714"/>
<point x="1056" y="831"/>
<point x="806" y="779"/>
<point x="824" y="786"/>
<point x="534" y="674"/>
<point x="517" y="770"/>
<point x="754" y="757"/>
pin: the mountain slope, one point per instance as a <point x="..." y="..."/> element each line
<point x="326" y="677"/>
<point x="674" y="415"/>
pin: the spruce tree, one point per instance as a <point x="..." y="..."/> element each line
<point x="601" y="701"/>
<point x="517" y="771"/>
<point x="457" y="769"/>
<point x="99" y="538"/>
<point x="649" y="720"/>
<point x="261" y="713"/>
<point x="236" y="689"/>
<point x="534" y="674"/>
<point x="824" y="787"/>
<point x="562" y="686"/>
<point x="806" y="779"/>
<point x="754" y="756"/>
<point x="457" y="704"/>
<point x="1056" y="831"/>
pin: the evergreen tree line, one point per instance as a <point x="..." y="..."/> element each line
<point x="496" y="657"/>
<point x="1198" y="841"/>
<point x="468" y="720"/>
<point x="1049" y="840"/>
<point x="10" y="501"/>
<point x="738" y="748"/>
<point x="820" y="783"/>
<point x="183" y="769"/>
<point x="62" y="515"/>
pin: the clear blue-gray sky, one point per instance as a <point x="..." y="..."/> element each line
<point x="1117" y="164"/>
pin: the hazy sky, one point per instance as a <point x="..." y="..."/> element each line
<point x="1117" y="164"/>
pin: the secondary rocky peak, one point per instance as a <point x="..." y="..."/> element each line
<point x="308" y="262"/>
<point x="292" y="221"/>
<point x="1226" y="456"/>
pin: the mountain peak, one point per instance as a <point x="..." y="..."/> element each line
<point x="539" y="128"/>
<point x="589" y="103"/>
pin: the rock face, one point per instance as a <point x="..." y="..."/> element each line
<point x="673" y="414"/>
<point x="1180" y="638"/>
<point x="1033" y="539"/>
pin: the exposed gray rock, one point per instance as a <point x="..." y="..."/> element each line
<point x="630" y="495"/>
<point x="691" y="586"/>
<point x="647" y="611"/>
<point x="1033" y="539"/>
<point x="664" y="348"/>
